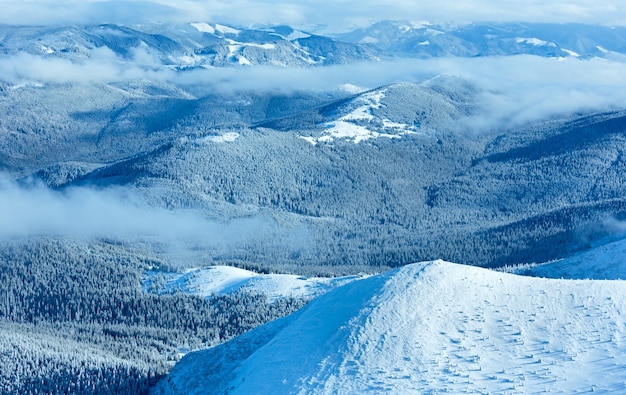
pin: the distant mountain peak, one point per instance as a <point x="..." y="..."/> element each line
<point x="426" y="40"/>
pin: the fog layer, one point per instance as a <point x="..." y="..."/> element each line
<point x="117" y="213"/>
<point x="515" y="89"/>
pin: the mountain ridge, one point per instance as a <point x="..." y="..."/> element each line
<point x="200" y="44"/>
<point x="491" y="39"/>
<point x="138" y="158"/>
<point x="395" y="332"/>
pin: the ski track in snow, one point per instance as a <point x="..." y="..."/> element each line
<point x="432" y="327"/>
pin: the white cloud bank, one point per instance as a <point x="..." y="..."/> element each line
<point x="336" y="14"/>
<point x="516" y="89"/>
<point x="116" y="213"/>
<point x="103" y="66"/>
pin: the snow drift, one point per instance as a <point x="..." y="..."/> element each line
<point x="428" y="327"/>
<point x="605" y="261"/>
<point x="223" y="280"/>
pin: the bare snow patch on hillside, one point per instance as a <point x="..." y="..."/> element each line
<point x="226" y="29"/>
<point x="534" y="41"/>
<point x="362" y="124"/>
<point x="203" y="27"/>
<point x="571" y="53"/>
<point x="228" y="137"/>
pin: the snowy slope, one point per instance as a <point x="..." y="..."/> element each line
<point x="351" y="126"/>
<point x="197" y="44"/>
<point x="392" y="111"/>
<point x="220" y="280"/>
<point x="604" y="262"/>
<point x="490" y="39"/>
<point x="428" y="327"/>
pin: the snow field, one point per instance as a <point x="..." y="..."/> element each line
<point x="220" y="280"/>
<point x="603" y="262"/>
<point x="432" y="327"/>
<point x="350" y="126"/>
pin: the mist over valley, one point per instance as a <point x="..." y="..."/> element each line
<point x="166" y="187"/>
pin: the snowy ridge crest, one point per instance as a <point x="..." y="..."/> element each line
<point x="433" y="326"/>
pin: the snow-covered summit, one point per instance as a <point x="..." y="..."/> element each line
<point x="427" y="40"/>
<point x="204" y="44"/>
<point x="428" y="327"/>
<point x="393" y="111"/>
<point x="196" y="44"/>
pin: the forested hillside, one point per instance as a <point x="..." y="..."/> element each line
<point x="377" y="179"/>
<point x="526" y="195"/>
<point x="135" y="152"/>
<point x="74" y="318"/>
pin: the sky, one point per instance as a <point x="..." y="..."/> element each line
<point x="331" y="15"/>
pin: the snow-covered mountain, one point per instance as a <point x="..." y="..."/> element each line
<point x="222" y="280"/>
<point x="184" y="46"/>
<point x="427" y="40"/>
<point x="428" y="327"/>
<point x="431" y="107"/>
<point x="201" y="44"/>
<point x="139" y="161"/>
<point x="517" y="197"/>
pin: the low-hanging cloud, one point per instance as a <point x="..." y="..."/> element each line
<point x="120" y="214"/>
<point x="521" y="89"/>
<point x="514" y="89"/>
<point x="102" y="66"/>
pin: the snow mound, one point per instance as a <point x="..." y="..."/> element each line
<point x="604" y="262"/>
<point x="426" y="328"/>
<point x="221" y="280"/>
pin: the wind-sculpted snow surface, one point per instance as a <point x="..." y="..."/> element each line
<point x="428" y="327"/>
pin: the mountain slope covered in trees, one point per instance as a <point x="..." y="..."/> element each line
<point x="130" y="155"/>
<point x="525" y="195"/>
<point x="74" y="318"/>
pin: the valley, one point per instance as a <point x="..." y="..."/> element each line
<point x="165" y="189"/>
